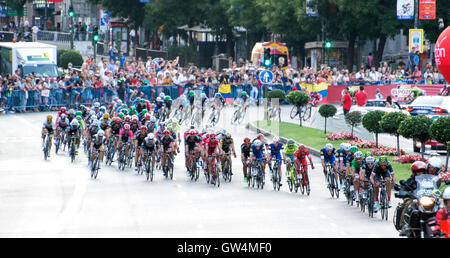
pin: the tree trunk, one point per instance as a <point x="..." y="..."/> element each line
<point x="325" y="125"/>
<point x="422" y="152"/>
<point x="351" y="51"/>
<point x="446" y="162"/>
<point x="380" y="50"/>
<point x="398" y="145"/>
<point x="376" y="140"/>
<point x="229" y="44"/>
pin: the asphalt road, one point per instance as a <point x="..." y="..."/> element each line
<point x="56" y="198"/>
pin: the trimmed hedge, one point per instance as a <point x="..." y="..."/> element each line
<point x="71" y="56"/>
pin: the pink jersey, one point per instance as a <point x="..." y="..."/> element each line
<point x="123" y="135"/>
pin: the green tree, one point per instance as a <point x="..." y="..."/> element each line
<point x="71" y="56"/>
<point x="327" y="110"/>
<point x="353" y="119"/>
<point x="277" y="94"/>
<point x="131" y="9"/>
<point x="298" y="99"/>
<point x="416" y="127"/>
<point x="390" y="124"/>
<point x="440" y="131"/>
<point x="371" y="121"/>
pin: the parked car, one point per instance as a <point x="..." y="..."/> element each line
<point x="429" y="105"/>
<point x="377" y="104"/>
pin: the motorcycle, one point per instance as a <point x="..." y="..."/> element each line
<point x="423" y="208"/>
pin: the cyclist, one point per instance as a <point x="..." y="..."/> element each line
<point x="416" y="92"/>
<point x="71" y="115"/>
<point x="257" y="155"/>
<point x="191" y="98"/>
<point x="434" y="166"/>
<point x="150" y="146"/>
<point x="211" y="147"/>
<point x="105" y="125"/>
<point x="97" y="146"/>
<point x="74" y="131"/>
<point x="48" y="128"/>
<point x="245" y="154"/>
<point x="125" y="137"/>
<point x="328" y="155"/>
<point x="192" y="141"/>
<point x="289" y="155"/>
<point x="116" y="125"/>
<point x="355" y="167"/>
<point x="167" y="142"/>
<point x="227" y="144"/>
<point x="366" y="171"/>
<point x="275" y="151"/>
<point x="158" y="107"/>
<point x="382" y="169"/>
<point x="61" y="111"/>
<point x="300" y="159"/>
<point x="61" y="126"/>
<point x="139" y="139"/>
<point x="204" y="99"/>
<point x="151" y="125"/>
<point x="344" y="159"/>
<point x="168" y="103"/>
<point x="316" y="98"/>
<point x="350" y="158"/>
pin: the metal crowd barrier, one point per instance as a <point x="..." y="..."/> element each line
<point x="19" y="100"/>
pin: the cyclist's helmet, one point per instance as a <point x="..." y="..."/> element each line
<point x="143" y="128"/>
<point x="74" y="123"/>
<point x="342" y="145"/>
<point x="63" y="110"/>
<point x="126" y="127"/>
<point x="121" y="115"/>
<point x="192" y="132"/>
<point x="212" y="136"/>
<point x="162" y="95"/>
<point x="166" y="132"/>
<point x="82" y="107"/>
<point x="218" y="95"/>
<point x="100" y="133"/>
<point x="301" y="147"/>
<point x="244" y="93"/>
<point x="260" y="137"/>
<point x="329" y="146"/>
<point x="144" y="111"/>
<point x="290" y="142"/>
<point x="276" y="139"/>
<point x="359" y="155"/>
<point x="167" y="98"/>
<point x="103" y="109"/>
<point x="174" y="121"/>
<point x="257" y="143"/>
<point x="203" y="95"/>
<point x="446" y="194"/>
<point x="228" y="136"/>
<point x="191" y="93"/>
<point x="158" y="99"/>
<point x="149" y="137"/>
<point x="383" y="161"/>
<point x="125" y="111"/>
<point x="418" y="167"/>
<point x="347" y="147"/>
<point x="127" y="118"/>
<point x="148" y="116"/>
<point x="71" y="112"/>
<point x="370" y="160"/>
<point x="135" y="119"/>
<point x="106" y="116"/>
<point x="117" y="120"/>
<point x="247" y="140"/>
<point x="354" y="149"/>
<point x="153" y="119"/>
<point x="132" y="108"/>
<point x="49" y="117"/>
<point x="79" y="118"/>
<point x="435" y="162"/>
<point x="368" y="154"/>
<point x="96" y="104"/>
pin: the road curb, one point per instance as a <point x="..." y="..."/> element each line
<point x="252" y="127"/>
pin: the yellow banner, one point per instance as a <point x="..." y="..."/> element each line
<point x="315" y="87"/>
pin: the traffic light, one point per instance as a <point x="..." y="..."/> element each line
<point x="95" y="36"/>
<point x="328" y="44"/>
<point x="267" y="58"/>
<point x="71" y="12"/>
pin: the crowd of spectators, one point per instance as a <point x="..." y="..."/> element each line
<point x="128" y="78"/>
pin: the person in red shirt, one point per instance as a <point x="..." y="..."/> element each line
<point x="211" y="147"/>
<point x="300" y="158"/>
<point x="361" y="96"/>
<point x="346" y="101"/>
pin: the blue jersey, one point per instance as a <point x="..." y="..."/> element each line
<point x="331" y="158"/>
<point x="257" y="153"/>
<point x="275" y="151"/>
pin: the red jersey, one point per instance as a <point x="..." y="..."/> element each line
<point x="212" y="145"/>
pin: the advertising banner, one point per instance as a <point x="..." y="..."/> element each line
<point x="427" y="9"/>
<point x="311" y="8"/>
<point x="416" y="39"/>
<point x="405" y="9"/>
<point x="398" y="92"/>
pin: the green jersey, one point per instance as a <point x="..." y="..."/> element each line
<point x="290" y="149"/>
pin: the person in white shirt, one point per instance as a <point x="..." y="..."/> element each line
<point x="378" y="95"/>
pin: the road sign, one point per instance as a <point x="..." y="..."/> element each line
<point x="266" y="76"/>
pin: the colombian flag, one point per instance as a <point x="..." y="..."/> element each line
<point x="225" y="90"/>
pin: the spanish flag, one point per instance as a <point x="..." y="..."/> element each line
<point x="225" y="90"/>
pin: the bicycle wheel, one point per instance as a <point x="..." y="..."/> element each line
<point x="217" y="177"/>
<point x="97" y="167"/>
<point x="242" y="116"/>
<point x="336" y="187"/>
<point x="308" y="188"/>
<point x="384" y="205"/>
<point x="307" y="112"/>
<point x="370" y="199"/>
<point x="275" y="177"/>
<point x="235" y="117"/>
<point x="72" y="151"/>
<point x="331" y="183"/>
<point x="294" y="112"/>
<point x="58" y="142"/>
